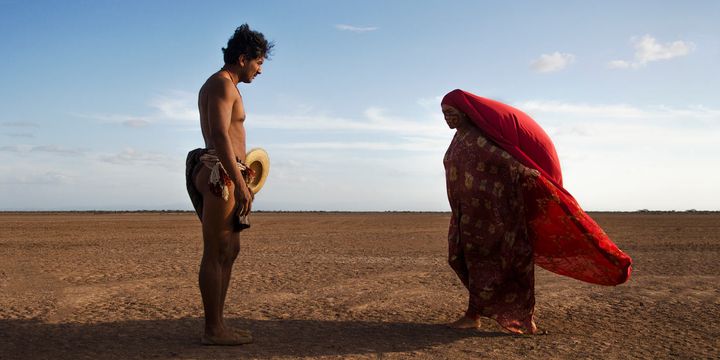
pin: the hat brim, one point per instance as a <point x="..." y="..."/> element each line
<point x="257" y="159"/>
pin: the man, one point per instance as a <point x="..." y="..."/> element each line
<point x="216" y="177"/>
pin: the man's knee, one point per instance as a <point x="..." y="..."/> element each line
<point x="222" y="249"/>
<point x="228" y="251"/>
<point x="233" y="250"/>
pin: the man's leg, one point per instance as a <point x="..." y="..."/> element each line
<point x="214" y="274"/>
<point x="220" y="249"/>
<point x="229" y="254"/>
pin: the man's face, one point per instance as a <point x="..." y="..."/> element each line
<point x="453" y="116"/>
<point x="250" y="69"/>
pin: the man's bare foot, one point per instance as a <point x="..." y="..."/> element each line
<point x="226" y="328"/>
<point x="228" y="337"/>
<point x="242" y="332"/>
<point x="465" y="322"/>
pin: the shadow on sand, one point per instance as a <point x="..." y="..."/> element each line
<point x="179" y="338"/>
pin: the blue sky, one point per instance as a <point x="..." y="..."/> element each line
<point x="98" y="98"/>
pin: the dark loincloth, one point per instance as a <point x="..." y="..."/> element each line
<point x="193" y="164"/>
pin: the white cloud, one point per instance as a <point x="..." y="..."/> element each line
<point x="619" y="64"/>
<point x="37" y="178"/>
<point x="375" y="120"/>
<point x="406" y="144"/>
<point x="629" y="157"/>
<point x="136" y="123"/>
<point x="58" y="149"/>
<point x="581" y="109"/>
<point x="130" y="156"/>
<point x="178" y="105"/>
<point x="55" y="149"/>
<point x="23" y="131"/>
<point x="431" y="104"/>
<point x="173" y="107"/>
<point x="700" y="114"/>
<point x="20" y="135"/>
<point x="115" y="118"/>
<point x="612" y="156"/>
<point x="13" y="148"/>
<point x="20" y="124"/>
<point x="647" y="50"/>
<point x="356" y="29"/>
<point x="552" y="62"/>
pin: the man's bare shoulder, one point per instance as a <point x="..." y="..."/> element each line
<point x="217" y="85"/>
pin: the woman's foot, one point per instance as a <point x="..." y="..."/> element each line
<point x="531" y="328"/>
<point x="465" y="322"/>
<point x="526" y="327"/>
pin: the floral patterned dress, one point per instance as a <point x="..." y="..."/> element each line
<point x="489" y="245"/>
<point x="510" y="209"/>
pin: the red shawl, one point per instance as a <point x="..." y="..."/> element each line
<point x="567" y="240"/>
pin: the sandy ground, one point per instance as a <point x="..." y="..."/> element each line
<point x="76" y="286"/>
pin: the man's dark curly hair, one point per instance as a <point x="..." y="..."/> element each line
<point x="247" y="42"/>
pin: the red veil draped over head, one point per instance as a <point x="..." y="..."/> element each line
<point x="566" y="240"/>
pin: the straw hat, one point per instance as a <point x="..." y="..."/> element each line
<point x="257" y="159"/>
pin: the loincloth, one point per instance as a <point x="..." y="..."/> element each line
<point x="219" y="182"/>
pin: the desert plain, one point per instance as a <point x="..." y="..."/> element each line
<point x="338" y="285"/>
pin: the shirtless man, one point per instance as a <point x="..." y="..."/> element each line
<point x="216" y="177"/>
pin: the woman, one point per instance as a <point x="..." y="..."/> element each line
<point x="510" y="211"/>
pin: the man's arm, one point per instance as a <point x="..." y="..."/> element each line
<point x="220" y="106"/>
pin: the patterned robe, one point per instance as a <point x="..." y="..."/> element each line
<point x="509" y="208"/>
<point x="489" y="246"/>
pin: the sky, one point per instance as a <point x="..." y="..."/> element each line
<point x="99" y="98"/>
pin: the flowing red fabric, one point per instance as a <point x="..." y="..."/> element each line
<point x="567" y="241"/>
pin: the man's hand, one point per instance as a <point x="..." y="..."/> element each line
<point x="243" y="197"/>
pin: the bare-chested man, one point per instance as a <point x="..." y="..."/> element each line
<point x="216" y="177"/>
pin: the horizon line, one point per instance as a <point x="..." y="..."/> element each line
<point x="640" y="211"/>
